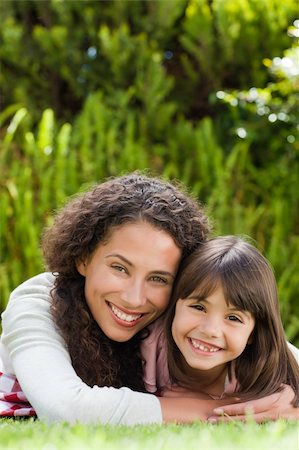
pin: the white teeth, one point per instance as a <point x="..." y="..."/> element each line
<point x="202" y="347"/>
<point x="121" y="315"/>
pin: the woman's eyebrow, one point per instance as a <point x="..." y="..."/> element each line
<point x="117" y="255"/>
<point x="160" y="272"/>
<point x="164" y="272"/>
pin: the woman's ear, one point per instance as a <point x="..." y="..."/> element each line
<point x="81" y="267"/>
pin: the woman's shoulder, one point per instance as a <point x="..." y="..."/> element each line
<point x="40" y="283"/>
<point x="27" y="318"/>
<point x="33" y="295"/>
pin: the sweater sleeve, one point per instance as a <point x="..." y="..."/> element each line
<point x="34" y="351"/>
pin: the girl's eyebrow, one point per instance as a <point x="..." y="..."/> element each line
<point x="201" y="298"/>
<point x="243" y="311"/>
<point x="125" y="260"/>
<point x="198" y="298"/>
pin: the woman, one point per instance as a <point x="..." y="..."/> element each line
<point x="73" y="339"/>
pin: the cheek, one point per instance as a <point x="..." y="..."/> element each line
<point x="160" y="299"/>
<point x="250" y="333"/>
<point x="90" y="288"/>
<point x="176" y="330"/>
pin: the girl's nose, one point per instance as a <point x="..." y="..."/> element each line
<point x="210" y="325"/>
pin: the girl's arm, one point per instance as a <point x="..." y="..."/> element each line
<point x="33" y="350"/>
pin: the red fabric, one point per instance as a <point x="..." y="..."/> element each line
<point x="13" y="402"/>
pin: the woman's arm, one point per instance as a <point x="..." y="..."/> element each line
<point x="33" y="350"/>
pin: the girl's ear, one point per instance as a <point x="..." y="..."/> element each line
<point x="81" y="267"/>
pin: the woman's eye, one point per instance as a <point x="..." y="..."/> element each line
<point x="158" y="279"/>
<point x="234" y="318"/>
<point x="119" y="268"/>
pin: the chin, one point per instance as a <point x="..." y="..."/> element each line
<point x="120" y="338"/>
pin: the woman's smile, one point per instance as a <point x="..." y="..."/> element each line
<point x="124" y="318"/>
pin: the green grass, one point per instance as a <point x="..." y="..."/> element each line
<point x="34" y="435"/>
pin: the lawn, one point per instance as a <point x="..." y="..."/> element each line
<point x="34" y="435"/>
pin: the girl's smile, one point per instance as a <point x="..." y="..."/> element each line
<point x="203" y="347"/>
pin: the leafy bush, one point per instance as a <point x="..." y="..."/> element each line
<point x="50" y="61"/>
<point x="188" y="89"/>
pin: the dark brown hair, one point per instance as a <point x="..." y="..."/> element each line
<point x="248" y="283"/>
<point x="78" y="229"/>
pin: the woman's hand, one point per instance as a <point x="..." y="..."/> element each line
<point x="184" y="406"/>
<point x="187" y="410"/>
<point x="273" y="407"/>
<point x="194" y="405"/>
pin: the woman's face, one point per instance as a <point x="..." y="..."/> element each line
<point x="128" y="279"/>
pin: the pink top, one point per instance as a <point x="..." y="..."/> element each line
<point x="154" y="351"/>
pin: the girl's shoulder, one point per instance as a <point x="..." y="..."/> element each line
<point x="154" y="354"/>
<point x="156" y="332"/>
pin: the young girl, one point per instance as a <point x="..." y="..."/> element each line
<point x="223" y="327"/>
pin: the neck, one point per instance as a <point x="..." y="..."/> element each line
<point x="210" y="382"/>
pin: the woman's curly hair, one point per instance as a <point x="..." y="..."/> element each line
<point x="86" y="221"/>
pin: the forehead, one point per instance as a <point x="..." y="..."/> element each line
<point x="143" y="243"/>
<point x="217" y="297"/>
<point x="202" y="286"/>
<point x="134" y="230"/>
<point x="214" y="287"/>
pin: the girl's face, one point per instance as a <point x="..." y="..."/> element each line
<point x="208" y="332"/>
<point x="128" y="279"/>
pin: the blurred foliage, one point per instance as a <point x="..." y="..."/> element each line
<point x="204" y="91"/>
<point x="50" y="61"/>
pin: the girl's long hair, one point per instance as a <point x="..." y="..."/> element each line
<point x="248" y="283"/>
<point x="83" y="224"/>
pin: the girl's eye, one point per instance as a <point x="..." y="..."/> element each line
<point x="158" y="279"/>
<point x="234" y="318"/>
<point x="198" y="307"/>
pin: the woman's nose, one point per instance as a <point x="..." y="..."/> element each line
<point x="134" y="294"/>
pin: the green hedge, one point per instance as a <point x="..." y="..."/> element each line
<point x="54" y="53"/>
<point x="45" y="167"/>
<point x="199" y="91"/>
